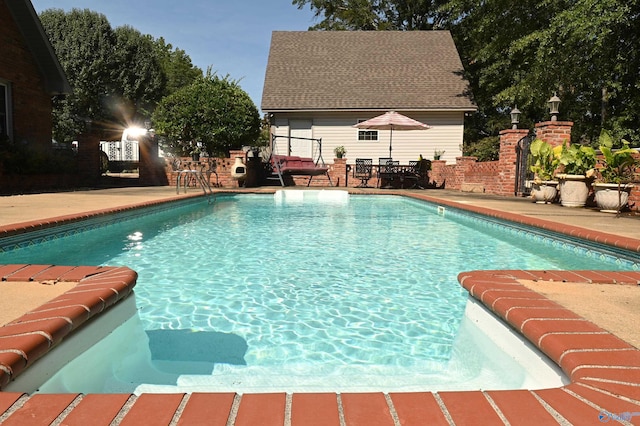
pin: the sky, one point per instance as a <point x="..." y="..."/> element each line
<point x="230" y="36"/>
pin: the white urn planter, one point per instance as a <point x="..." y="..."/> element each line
<point x="573" y="190"/>
<point x="610" y="198"/>
<point x="544" y="192"/>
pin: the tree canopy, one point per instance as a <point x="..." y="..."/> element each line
<point x="585" y="51"/>
<point x="212" y="114"/>
<point x="176" y="66"/>
<point x="375" y="14"/>
<point x="118" y="76"/>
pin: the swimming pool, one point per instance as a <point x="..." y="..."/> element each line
<point x="281" y="288"/>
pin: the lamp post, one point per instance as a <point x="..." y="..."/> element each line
<point x="554" y="103"/>
<point x="515" y="117"/>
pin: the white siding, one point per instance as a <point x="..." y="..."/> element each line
<point x="337" y="129"/>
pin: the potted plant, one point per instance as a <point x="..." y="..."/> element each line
<point x="340" y="151"/>
<point x="615" y="175"/>
<point x="438" y="153"/>
<point x="578" y="165"/>
<point x="543" y="164"/>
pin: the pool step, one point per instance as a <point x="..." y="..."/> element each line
<point x="362" y="378"/>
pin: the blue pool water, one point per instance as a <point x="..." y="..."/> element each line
<point x="255" y="285"/>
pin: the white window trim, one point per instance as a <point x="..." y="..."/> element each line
<point x="371" y="131"/>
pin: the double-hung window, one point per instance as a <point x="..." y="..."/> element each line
<point x="367" y="135"/>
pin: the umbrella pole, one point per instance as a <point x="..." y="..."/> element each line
<point x="390" y="139"/>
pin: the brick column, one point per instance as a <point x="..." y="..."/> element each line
<point x="554" y="132"/>
<point x="509" y="139"/>
<point x="338" y="171"/>
<point x="89" y="157"/>
<point x="150" y="166"/>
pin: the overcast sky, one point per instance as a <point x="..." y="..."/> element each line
<point x="231" y="36"/>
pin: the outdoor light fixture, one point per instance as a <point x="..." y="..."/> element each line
<point x="554" y="103"/>
<point x="515" y="117"/>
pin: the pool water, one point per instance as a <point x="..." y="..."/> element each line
<point x="295" y="287"/>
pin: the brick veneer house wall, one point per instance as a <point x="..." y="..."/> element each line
<point x="30" y="74"/>
<point x="31" y="103"/>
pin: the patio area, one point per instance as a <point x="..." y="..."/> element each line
<point x="603" y="368"/>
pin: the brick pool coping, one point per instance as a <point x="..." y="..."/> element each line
<point x="604" y="370"/>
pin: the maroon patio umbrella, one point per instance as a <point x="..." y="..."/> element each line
<point x="392" y="120"/>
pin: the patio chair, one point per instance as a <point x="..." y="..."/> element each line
<point x="384" y="170"/>
<point x="363" y="171"/>
<point x="422" y="173"/>
<point x="211" y="168"/>
<point x="411" y="175"/>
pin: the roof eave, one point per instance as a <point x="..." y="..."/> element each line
<point x="25" y="16"/>
<point x="439" y="109"/>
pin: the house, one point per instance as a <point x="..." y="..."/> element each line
<point x="30" y="74"/>
<point x="319" y="84"/>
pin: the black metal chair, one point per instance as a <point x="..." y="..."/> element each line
<point x="363" y="171"/>
<point x="211" y="168"/>
<point x="384" y="170"/>
<point x="411" y="176"/>
<point x="422" y="173"/>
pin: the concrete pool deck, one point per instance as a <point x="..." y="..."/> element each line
<point x="604" y="370"/>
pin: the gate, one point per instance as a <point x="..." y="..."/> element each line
<point x="523" y="175"/>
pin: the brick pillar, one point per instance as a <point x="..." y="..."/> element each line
<point x="338" y="171"/>
<point x="150" y="166"/>
<point x="554" y="132"/>
<point x="89" y="157"/>
<point x="437" y="173"/>
<point x="507" y="160"/>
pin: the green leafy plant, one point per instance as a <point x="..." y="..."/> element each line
<point x="543" y="161"/>
<point x="618" y="165"/>
<point x="438" y="153"/>
<point x="340" y="151"/>
<point x="577" y="159"/>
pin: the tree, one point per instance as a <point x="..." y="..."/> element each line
<point x="176" y="66"/>
<point x="586" y="51"/>
<point x="140" y="80"/>
<point x="213" y="112"/>
<point x="83" y="41"/>
<point x="118" y="76"/>
<point x="375" y="14"/>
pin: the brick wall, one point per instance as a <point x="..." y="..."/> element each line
<point x="554" y="132"/>
<point x="31" y="104"/>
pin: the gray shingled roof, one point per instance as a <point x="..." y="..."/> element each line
<point x="362" y="70"/>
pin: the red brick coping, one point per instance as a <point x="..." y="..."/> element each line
<point x="604" y="370"/>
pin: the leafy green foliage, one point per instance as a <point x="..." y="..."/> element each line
<point x="485" y="149"/>
<point x="83" y="41"/>
<point x="577" y="159"/>
<point x="118" y="76"/>
<point x="585" y="50"/>
<point x="375" y="14"/>
<point x="543" y="160"/>
<point x="176" y="66"/>
<point x="141" y="81"/>
<point x="25" y="159"/>
<point x="618" y="165"/>
<point x="213" y="112"/>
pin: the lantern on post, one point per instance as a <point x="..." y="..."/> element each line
<point x="515" y="117"/>
<point x="554" y="103"/>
